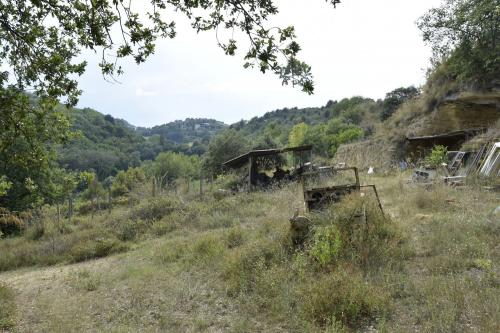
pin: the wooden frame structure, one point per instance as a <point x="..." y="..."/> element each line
<point x="253" y="156"/>
<point x="316" y="198"/>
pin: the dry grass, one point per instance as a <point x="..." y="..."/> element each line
<point x="7" y="308"/>
<point x="451" y="284"/>
<point x="228" y="265"/>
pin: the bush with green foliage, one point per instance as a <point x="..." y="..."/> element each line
<point x="10" y="224"/>
<point x="155" y="209"/>
<point x="126" y="181"/>
<point x="222" y="148"/>
<point x="341" y="297"/>
<point x="5" y="185"/>
<point x="95" y="248"/>
<point x="437" y="157"/>
<point x="394" y="99"/>
<point x="355" y="231"/>
<point x="326" y="245"/>
<point x="463" y="35"/>
<point x="169" y="166"/>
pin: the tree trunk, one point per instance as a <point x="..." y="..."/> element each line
<point x="70" y="208"/>
<point x="58" y="216"/>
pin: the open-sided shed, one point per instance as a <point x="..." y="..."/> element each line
<point x="266" y="158"/>
<point x="420" y="146"/>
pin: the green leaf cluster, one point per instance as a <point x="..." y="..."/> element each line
<point x="29" y="132"/>
<point x="43" y="54"/>
<point x="437" y="157"/>
<point x="465" y="39"/>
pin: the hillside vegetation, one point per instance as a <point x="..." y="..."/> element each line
<point x="107" y="145"/>
<point x="210" y="265"/>
<point x="108" y="227"/>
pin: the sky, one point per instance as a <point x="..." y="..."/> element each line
<point x="361" y="48"/>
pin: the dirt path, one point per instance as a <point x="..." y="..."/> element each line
<point x="125" y="293"/>
<point x="32" y="285"/>
<point x="29" y="278"/>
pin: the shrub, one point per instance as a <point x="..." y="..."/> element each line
<point x="88" y="207"/>
<point x="206" y="247"/>
<point x="155" y="209"/>
<point x="326" y="245"/>
<point x="354" y="230"/>
<point x="10" y="224"/>
<point x="437" y="156"/>
<point x="247" y="262"/>
<point x="171" y="252"/>
<point x="164" y="226"/>
<point x="129" y="230"/>
<point x="86" y="280"/>
<point x="98" y="248"/>
<point x="35" y="231"/>
<point x="234" y="237"/>
<point x="228" y="181"/>
<point x="341" y="296"/>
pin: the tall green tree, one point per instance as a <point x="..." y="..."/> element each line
<point x="394" y="99"/>
<point x="298" y="135"/>
<point x="42" y="52"/>
<point x="465" y="38"/>
<point x="169" y="166"/>
<point x="29" y="131"/>
<point x="223" y="147"/>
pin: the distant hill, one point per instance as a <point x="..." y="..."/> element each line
<point x="107" y="144"/>
<point x="276" y="125"/>
<point x="356" y="110"/>
<point x="185" y="131"/>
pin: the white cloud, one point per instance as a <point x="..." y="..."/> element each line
<point x="141" y="92"/>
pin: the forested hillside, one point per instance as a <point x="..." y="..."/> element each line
<point x="106" y="144"/>
<point x="325" y="128"/>
<point x="185" y="131"/>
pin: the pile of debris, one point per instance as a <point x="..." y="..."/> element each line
<point x="462" y="164"/>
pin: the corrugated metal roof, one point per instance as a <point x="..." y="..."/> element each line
<point x="241" y="160"/>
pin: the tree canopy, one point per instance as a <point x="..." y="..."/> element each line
<point x="223" y="147"/>
<point x="394" y="99"/>
<point x="41" y="39"/>
<point x="28" y="133"/>
<point x="465" y="36"/>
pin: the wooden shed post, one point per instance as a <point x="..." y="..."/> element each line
<point x="250" y="173"/>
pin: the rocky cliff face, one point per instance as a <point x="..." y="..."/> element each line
<point x="465" y="110"/>
<point x="460" y="111"/>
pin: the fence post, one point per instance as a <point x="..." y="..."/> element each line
<point x="201" y="184"/>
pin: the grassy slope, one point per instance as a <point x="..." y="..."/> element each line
<point x="221" y="266"/>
